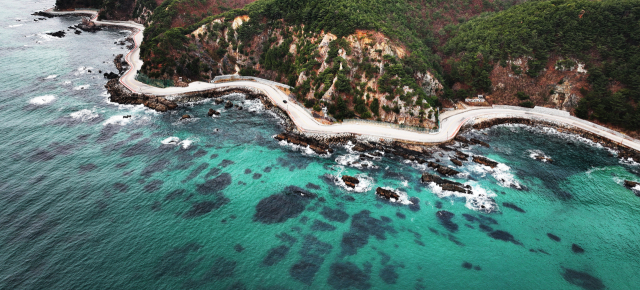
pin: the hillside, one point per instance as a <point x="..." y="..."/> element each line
<point x="580" y="56"/>
<point x="373" y="59"/>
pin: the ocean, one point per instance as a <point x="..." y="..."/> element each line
<point x="92" y="200"/>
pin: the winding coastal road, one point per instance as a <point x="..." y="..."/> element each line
<point x="450" y="123"/>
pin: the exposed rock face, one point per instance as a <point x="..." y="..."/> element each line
<point x="443" y="169"/>
<point x="111" y="76"/>
<point x="315" y="145"/>
<point x="121" y="95"/>
<point x="543" y="158"/>
<point x="446" y="184"/>
<point x="120" y="63"/>
<point x="58" y="34"/>
<point x="388" y="194"/>
<point x="631" y="184"/>
<point x="485" y="161"/>
<point x="475" y="141"/>
<point x="228" y="105"/>
<point x="456" y="161"/>
<point x="211" y="112"/>
<point x="185" y="117"/>
<point x="462" y="156"/>
<point x="350" y="181"/>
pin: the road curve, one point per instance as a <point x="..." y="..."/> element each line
<point x="306" y="123"/>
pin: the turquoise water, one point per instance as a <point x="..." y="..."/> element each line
<point x="89" y="199"/>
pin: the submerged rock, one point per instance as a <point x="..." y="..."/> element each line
<point x="577" y="249"/>
<point x="350" y="181"/>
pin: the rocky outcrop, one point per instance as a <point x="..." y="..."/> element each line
<point x="228" y="105"/>
<point x="185" y="117"/>
<point x="58" y="34"/>
<point x="446" y="184"/>
<point x="462" y="156"/>
<point x="111" y="76"/>
<point x="388" y="194"/>
<point x="212" y="112"/>
<point x="485" y="161"/>
<point x="304" y="141"/>
<point x="120" y="63"/>
<point x="631" y="184"/>
<point x="121" y="95"/>
<point x="456" y="161"/>
<point x="350" y="181"/>
<point x="443" y="169"/>
<point x="475" y="141"/>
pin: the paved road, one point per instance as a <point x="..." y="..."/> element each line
<point x="450" y="124"/>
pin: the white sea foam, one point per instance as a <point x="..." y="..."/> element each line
<point x="254" y="105"/>
<point x="403" y="197"/>
<point x="42" y="100"/>
<point x="82" y="87"/>
<point x="186" y="143"/>
<point x="353" y="160"/>
<point x="629" y="161"/>
<point x="480" y="200"/>
<point x="501" y="173"/>
<point x="118" y="120"/>
<point x="84" y="115"/>
<point x="534" y="153"/>
<point x="51" y="77"/>
<point x="66" y="83"/>
<point x="171" y="141"/>
<point x="305" y="150"/>
<point x="15" y="25"/>
<point x="365" y="184"/>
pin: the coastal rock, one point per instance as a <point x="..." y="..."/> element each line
<point x="388" y="194"/>
<point x="185" y="117"/>
<point x="121" y="95"/>
<point x="475" y="141"/>
<point x="212" y="112"/>
<point x="120" y="63"/>
<point x="315" y="145"/>
<point x="218" y="101"/>
<point x="58" y="34"/>
<point x="485" y="161"/>
<point x="461" y="139"/>
<point x="228" y="105"/>
<point x="111" y="76"/>
<point x="631" y="184"/>
<point x="446" y="184"/>
<point x="456" y="161"/>
<point x="462" y="156"/>
<point x="442" y="169"/>
<point x="452" y="187"/>
<point x="350" y="181"/>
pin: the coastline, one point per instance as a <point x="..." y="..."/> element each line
<point x="300" y="122"/>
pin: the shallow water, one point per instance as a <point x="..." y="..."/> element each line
<point x="89" y="199"/>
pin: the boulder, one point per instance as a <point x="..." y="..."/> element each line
<point x="185" y="117"/>
<point x="481" y="143"/>
<point x="456" y="161"/>
<point x="485" y="161"/>
<point x="446" y="171"/>
<point x="218" y="101"/>
<point x="543" y="158"/>
<point x="211" y="112"/>
<point x="58" y="34"/>
<point x="462" y="156"/>
<point x="350" y="181"/>
<point x="461" y="139"/>
<point x="452" y="187"/>
<point x="631" y="184"/>
<point x="228" y="105"/>
<point x="388" y="194"/>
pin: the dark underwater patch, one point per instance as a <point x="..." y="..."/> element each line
<point x="347" y="275"/>
<point x="401" y="215"/>
<point x="304" y="271"/>
<point x="121" y="187"/>
<point x="415" y="204"/>
<point x="582" y="279"/>
<point x="286" y="238"/>
<point x="577" y="249"/>
<point x="174" y="262"/>
<point x="225" y="163"/>
<point x="196" y="172"/>
<point x="212" y="172"/>
<point x="553" y="237"/>
<point x="275" y="255"/>
<point x="157" y="166"/>
<point x="256" y="176"/>
<point x="142" y="147"/>
<point x="444" y="217"/>
<point x="107" y="132"/>
<point x="388" y="274"/>
<point x="312" y="253"/>
<point x="222" y="268"/>
<point x="199" y="153"/>
<point x="322" y="226"/>
<point x="153" y="185"/>
<point x="88" y="168"/>
<point x="213" y="156"/>
<point x="183" y="165"/>
<point x="294" y="161"/>
<point x="363" y="226"/>
<point x="205" y="207"/>
<point x="504" y="236"/>
<point x="238" y="248"/>
<point x="267" y="169"/>
<point x="513" y="206"/>
<point x="215" y="185"/>
<point x="174" y="194"/>
<point x="438" y="204"/>
<point x="247" y="171"/>
<point x="312" y="186"/>
<point x="467" y="265"/>
<point x="486" y="228"/>
<point x="280" y="207"/>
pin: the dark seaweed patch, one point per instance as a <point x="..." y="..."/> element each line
<point x="487" y="220"/>
<point x="204" y="207"/>
<point x="504" y="236"/>
<point x="174" y="194"/>
<point x="199" y="153"/>
<point x="256" y="175"/>
<point x="347" y="275"/>
<point x="213" y="156"/>
<point x="304" y="271"/>
<point x="388" y="274"/>
<point x="415" y="204"/>
<point x="153" y="185"/>
<point x="267" y="169"/>
<point x="467" y="265"/>
<point x="157" y="166"/>
<point x="438" y="204"/>
<point x="293" y="162"/>
<point x="513" y="206"/>
<point x="312" y="186"/>
<point x="303" y="220"/>
<point x="363" y="226"/>
<point x="486" y="228"/>
<point x="247" y="171"/>
<point x="280" y="207"/>
<point x="312" y="253"/>
<point x="212" y="172"/>
<point x="469" y="217"/>
<point x="553" y="237"/>
<point x="121" y="187"/>
<point x="215" y="185"/>
<point x="582" y="279"/>
<point x="174" y="262"/>
<point x="196" y="172"/>
<point x="477" y="268"/>
<point x="222" y="268"/>
<point x="286" y="238"/>
<point x="183" y="165"/>
<point x="401" y="215"/>
<point x="239" y="248"/>
<point x="142" y="147"/>
<point x="225" y="163"/>
<point x="275" y="255"/>
<point x="156" y="206"/>
<point x="444" y="217"/>
<point x="107" y="132"/>
<point x="577" y="249"/>
<point x="88" y="168"/>
<point x="322" y="226"/>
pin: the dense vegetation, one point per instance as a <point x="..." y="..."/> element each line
<point x="111" y="9"/>
<point x="603" y="34"/>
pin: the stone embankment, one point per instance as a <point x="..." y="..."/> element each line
<point x="121" y="95"/>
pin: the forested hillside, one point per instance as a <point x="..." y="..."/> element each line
<point x="587" y="49"/>
<point x="114" y="9"/>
